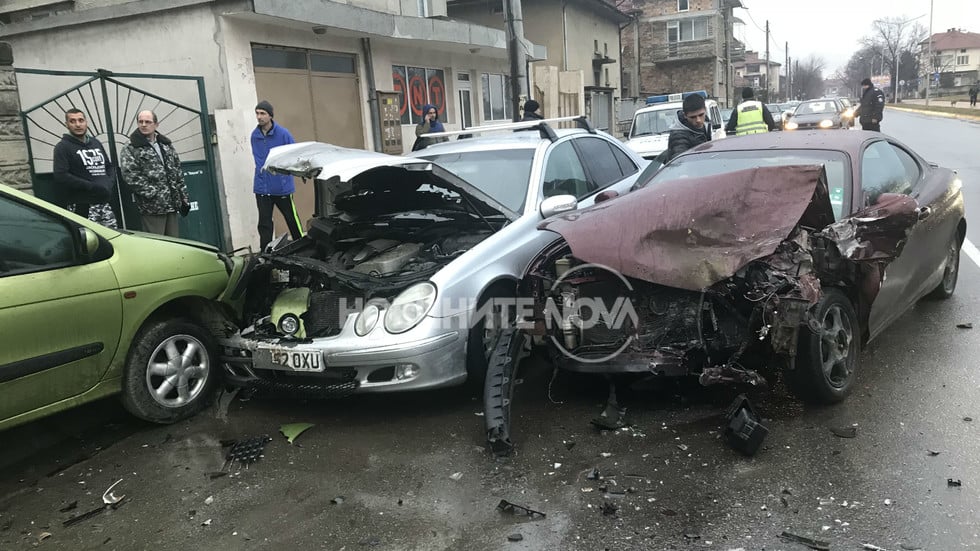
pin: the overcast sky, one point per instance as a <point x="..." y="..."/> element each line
<point x="831" y="29"/>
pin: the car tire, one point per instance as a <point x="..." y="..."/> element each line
<point x="498" y="392"/>
<point x="165" y="352"/>
<point x="947" y="286"/>
<point x="827" y="360"/>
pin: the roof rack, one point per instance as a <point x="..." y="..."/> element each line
<point x="543" y="126"/>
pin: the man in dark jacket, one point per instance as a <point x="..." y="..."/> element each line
<point x="83" y="172"/>
<point x="272" y="190"/>
<point x="151" y="167"/>
<point x="690" y="129"/>
<point x="872" y="106"/>
<point x="531" y="108"/>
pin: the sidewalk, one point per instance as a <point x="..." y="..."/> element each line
<point x="918" y="106"/>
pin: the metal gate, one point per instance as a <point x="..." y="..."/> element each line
<point x="111" y="107"/>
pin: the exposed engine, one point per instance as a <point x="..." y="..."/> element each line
<point x="343" y="265"/>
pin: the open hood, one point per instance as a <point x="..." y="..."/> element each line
<point x="693" y="233"/>
<point x="365" y="183"/>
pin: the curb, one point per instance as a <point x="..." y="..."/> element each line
<point x="936" y="113"/>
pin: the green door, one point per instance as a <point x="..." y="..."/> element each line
<point x="44" y="284"/>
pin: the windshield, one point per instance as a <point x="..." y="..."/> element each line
<point x="503" y="174"/>
<point x="652" y="122"/>
<point x="816" y="107"/>
<point x="709" y="164"/>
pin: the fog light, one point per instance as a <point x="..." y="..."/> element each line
<point x="406" y="371"/>
<point x="289" y="324"/>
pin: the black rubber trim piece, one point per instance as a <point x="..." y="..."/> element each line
<point x="22" y="368"/>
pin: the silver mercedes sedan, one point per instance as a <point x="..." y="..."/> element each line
<point x="387" y="291"/>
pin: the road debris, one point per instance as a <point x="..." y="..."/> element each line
<point x="109" y="501"/>
<point x="953" y="483"/>
<point x="373" y="541"/>
<point x="608" y="509"/>
<point x="245" y="451"/>
<point x="43" y="536"/>
<point x="515" y="537"/>
<point x="515" y="509"/>
<point x="871" y="547"/>
<point x="206" y="523"/>
<point x="932" y="453"/>
<point x="292" y="430"/>
<point x="803" y="540"/>
<point x="888" y="502"/>
<point x="967" y="325"/>
<point x="70" y="507"/>
<point x="612" y="416"/>
<point x="968" y="419"/>
<point x="456" y="476"/>
<point x="340" y="500"/>
<point x="844" y="432"/>
<point x="217" y="474"/>
<point x="744" y="431"/>
<point x="593" y="474"/>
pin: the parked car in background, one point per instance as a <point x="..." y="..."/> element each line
<point x="651" y="124"/>
<point x="777" y="114"/>
<point x="87" y="312"/>
<point x="849" y="109"/>
<point x="822" y="114"/>
<point x="726" y="113"/>
<point x="383" y="292"/>
<point x="744" y="259"/>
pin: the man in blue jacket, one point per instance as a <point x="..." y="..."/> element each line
<point x="272" y="190"/>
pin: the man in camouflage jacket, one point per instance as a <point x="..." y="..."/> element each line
<point x="151" y="167"/>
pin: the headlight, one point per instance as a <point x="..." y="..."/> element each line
<point x="826" y="123"/>
<point x="408" y="308"/>
<point x="792" y="126"/>
<point x="367" y="319"/>
<point x="289" y="325"/>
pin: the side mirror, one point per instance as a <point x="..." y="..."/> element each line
<point x="557" y="204"/>
<point x="90" y="241"/>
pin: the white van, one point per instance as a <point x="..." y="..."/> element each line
<point x="651" y="124"/>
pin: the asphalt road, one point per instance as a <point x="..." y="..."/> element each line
<point x="410" y="471"/>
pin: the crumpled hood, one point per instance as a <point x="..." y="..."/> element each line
<point x="342" y="172"/>
<point x="693" y="233"/>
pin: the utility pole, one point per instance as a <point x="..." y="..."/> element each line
<point x="514" y="19"/>
<point x="767" y="60"/>
<point x="728" y="56"/>
<point x="929" y="57"/>
<point x="786" y="61"/>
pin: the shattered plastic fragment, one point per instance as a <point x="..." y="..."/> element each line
<point x="744" y="432"/>
<point x="292" y="430"/>
<point x="593" y="474"/>
<point x="245" y="451"/>
<point x="456" y="476"/>
<point x="206" y="523"/>
<point x="953" y="483"/>
<point x="871" y="547"/>
<point x="209" y="500"/>
<point x="608" y="509"/>
<point x="964" y="325"/>
<point x="844" y="432"/>
<point x="888" y="502"/>
<point x="803" y="540"/>
<point x="515" y="537"/>
<point x="340" y="499"/>
<point x="932" y="453"/>
<point x="515" y="509"/>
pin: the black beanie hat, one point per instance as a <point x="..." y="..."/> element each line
<point x="747" y="93"/>
<point x="265" y="106"/>
<point x="866" y="82"/>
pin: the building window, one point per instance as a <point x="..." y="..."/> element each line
<point x="417" y="86"/>
<point x="496" y="97"/>
<point x="682" y="5"/>
<point x="687" y="30"/>
<point x="962" y="60"/>
<point x="423" y="8"/>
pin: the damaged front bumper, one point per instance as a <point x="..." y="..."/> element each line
<point x="429" y="356"/>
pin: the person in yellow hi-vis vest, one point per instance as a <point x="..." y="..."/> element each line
<point x="750" y="117"/>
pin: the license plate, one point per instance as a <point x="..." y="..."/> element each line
<point x="298" y="361"/>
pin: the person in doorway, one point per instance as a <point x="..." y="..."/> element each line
<point x="151" y="167"/>
<point x="272" y="190"/>
<point x="872" y="106"/>
<point x="973" y="95"/>
<point x="83" y="172"/>
<point x="532" y="111"/>
<point x="430" y="123"/>
<point x="689" y="130"/>
<point x="750" y="117"/>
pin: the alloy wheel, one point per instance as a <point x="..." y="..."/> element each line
<point x="177" y="370"/>
<point x="952" y="266"/>
<point x="836" y="337"/>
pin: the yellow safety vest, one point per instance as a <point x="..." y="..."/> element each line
<point x="750" y="119"/>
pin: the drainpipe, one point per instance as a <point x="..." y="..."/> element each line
<point x="372" y="95"/>
<point x="564" y="37"/>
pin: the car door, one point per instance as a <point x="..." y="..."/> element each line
<point x="60" y="312"/>
<point x="600" y="162"/>
<point x="887" y="168"/>
<point x="564" y="173"/>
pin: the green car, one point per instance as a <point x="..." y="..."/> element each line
<point x="87" y="311"/>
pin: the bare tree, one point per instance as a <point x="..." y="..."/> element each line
<point x="808" y="77"/>
<point x="859" y="67"/>
<point x="894" y="37"/>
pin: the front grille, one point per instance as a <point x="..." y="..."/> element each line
<point x="323" y="317"/>
<point x="332" y="384"/>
